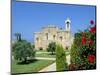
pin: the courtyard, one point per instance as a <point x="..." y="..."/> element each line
<point x="43" y="62"/>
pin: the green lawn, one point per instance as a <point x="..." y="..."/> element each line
<point x="48" y="55"/>
<point x="34" y="66"/>
<point x="67" y="53"/>
<point x="41" y="50"/>
<point x="47" y="51"/>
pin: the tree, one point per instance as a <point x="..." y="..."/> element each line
<point x="51" y="47"/>
<point x="74" y="54"/>
<point x="60" y="58"/>
<point x="18" y="36"/>
<point x="33" y="46"/>
<point x="75" y="48"/>
<point x="23" y="50"/>
<point x="75" y="59"/>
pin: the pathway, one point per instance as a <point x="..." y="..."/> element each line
<point x="45" y="58"/>
<point x="46" y="52"/>
<point x="52" y="67"/>
<point x="42" y="52"/>
<point x="49" y="68"/>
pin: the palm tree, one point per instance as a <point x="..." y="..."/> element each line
<point x="18" y="36"/>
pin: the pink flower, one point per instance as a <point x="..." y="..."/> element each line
<point x="91" y="22"/>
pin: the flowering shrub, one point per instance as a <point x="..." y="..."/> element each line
<point x="86" y="49"/>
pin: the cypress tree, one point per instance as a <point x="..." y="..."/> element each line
<point x="60" y="58"/>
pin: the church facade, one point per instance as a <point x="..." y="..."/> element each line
<point x="52" y="33"/>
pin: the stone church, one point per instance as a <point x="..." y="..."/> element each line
<point x="52" y="33"/>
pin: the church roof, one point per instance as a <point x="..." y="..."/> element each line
<point x="50" y="26"/>
<point x="63" y="30"/>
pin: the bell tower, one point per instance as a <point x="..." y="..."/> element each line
<point x="67" y="24"/>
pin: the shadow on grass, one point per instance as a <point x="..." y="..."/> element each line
<point x="27" y="62"/>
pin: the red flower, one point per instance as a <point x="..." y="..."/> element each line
<point x="91" y="58"/>
<point x="83" y="40"/>
<point x="90" y="41"/>
<point x="93" y="29"/>
<point x="91" y="22"/>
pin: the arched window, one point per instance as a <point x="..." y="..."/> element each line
<point x="67" y="24"/>
<point x="47" y="36"/>
<point x="61" y="38"/>
<point x="37" y="39"/>
<point x="54" y="37"/>
<point x="66" y="47"/>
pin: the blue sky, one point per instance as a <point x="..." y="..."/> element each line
<point x="30" y="17"/>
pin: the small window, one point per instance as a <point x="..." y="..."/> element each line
<point x="67" y="22"/>
<point x="66" y="47"/>
<point x="61" y="38"/>
<point x="37" y="39"/>
<point x="40" y="48"/>
<point x="47" y="36"/>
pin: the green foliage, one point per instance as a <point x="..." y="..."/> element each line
<point x="22" y="50"/>
<point x="77" y="39"/>
<point x="60" y="58"/>
<point x="33" y="46"/>
<point x="74" y="54"/>
<point x="75" y="48"/>
<point x="51" y="47"/>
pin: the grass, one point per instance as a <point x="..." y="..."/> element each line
<point x="41" y="50"/>
<point x="48" y="55"/>
<point x="33" y="66"/>
<point x="67" y="53"/>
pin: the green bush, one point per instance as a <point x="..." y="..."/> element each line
<point x="60" y="58"/>
<point x="51" y="47"/>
